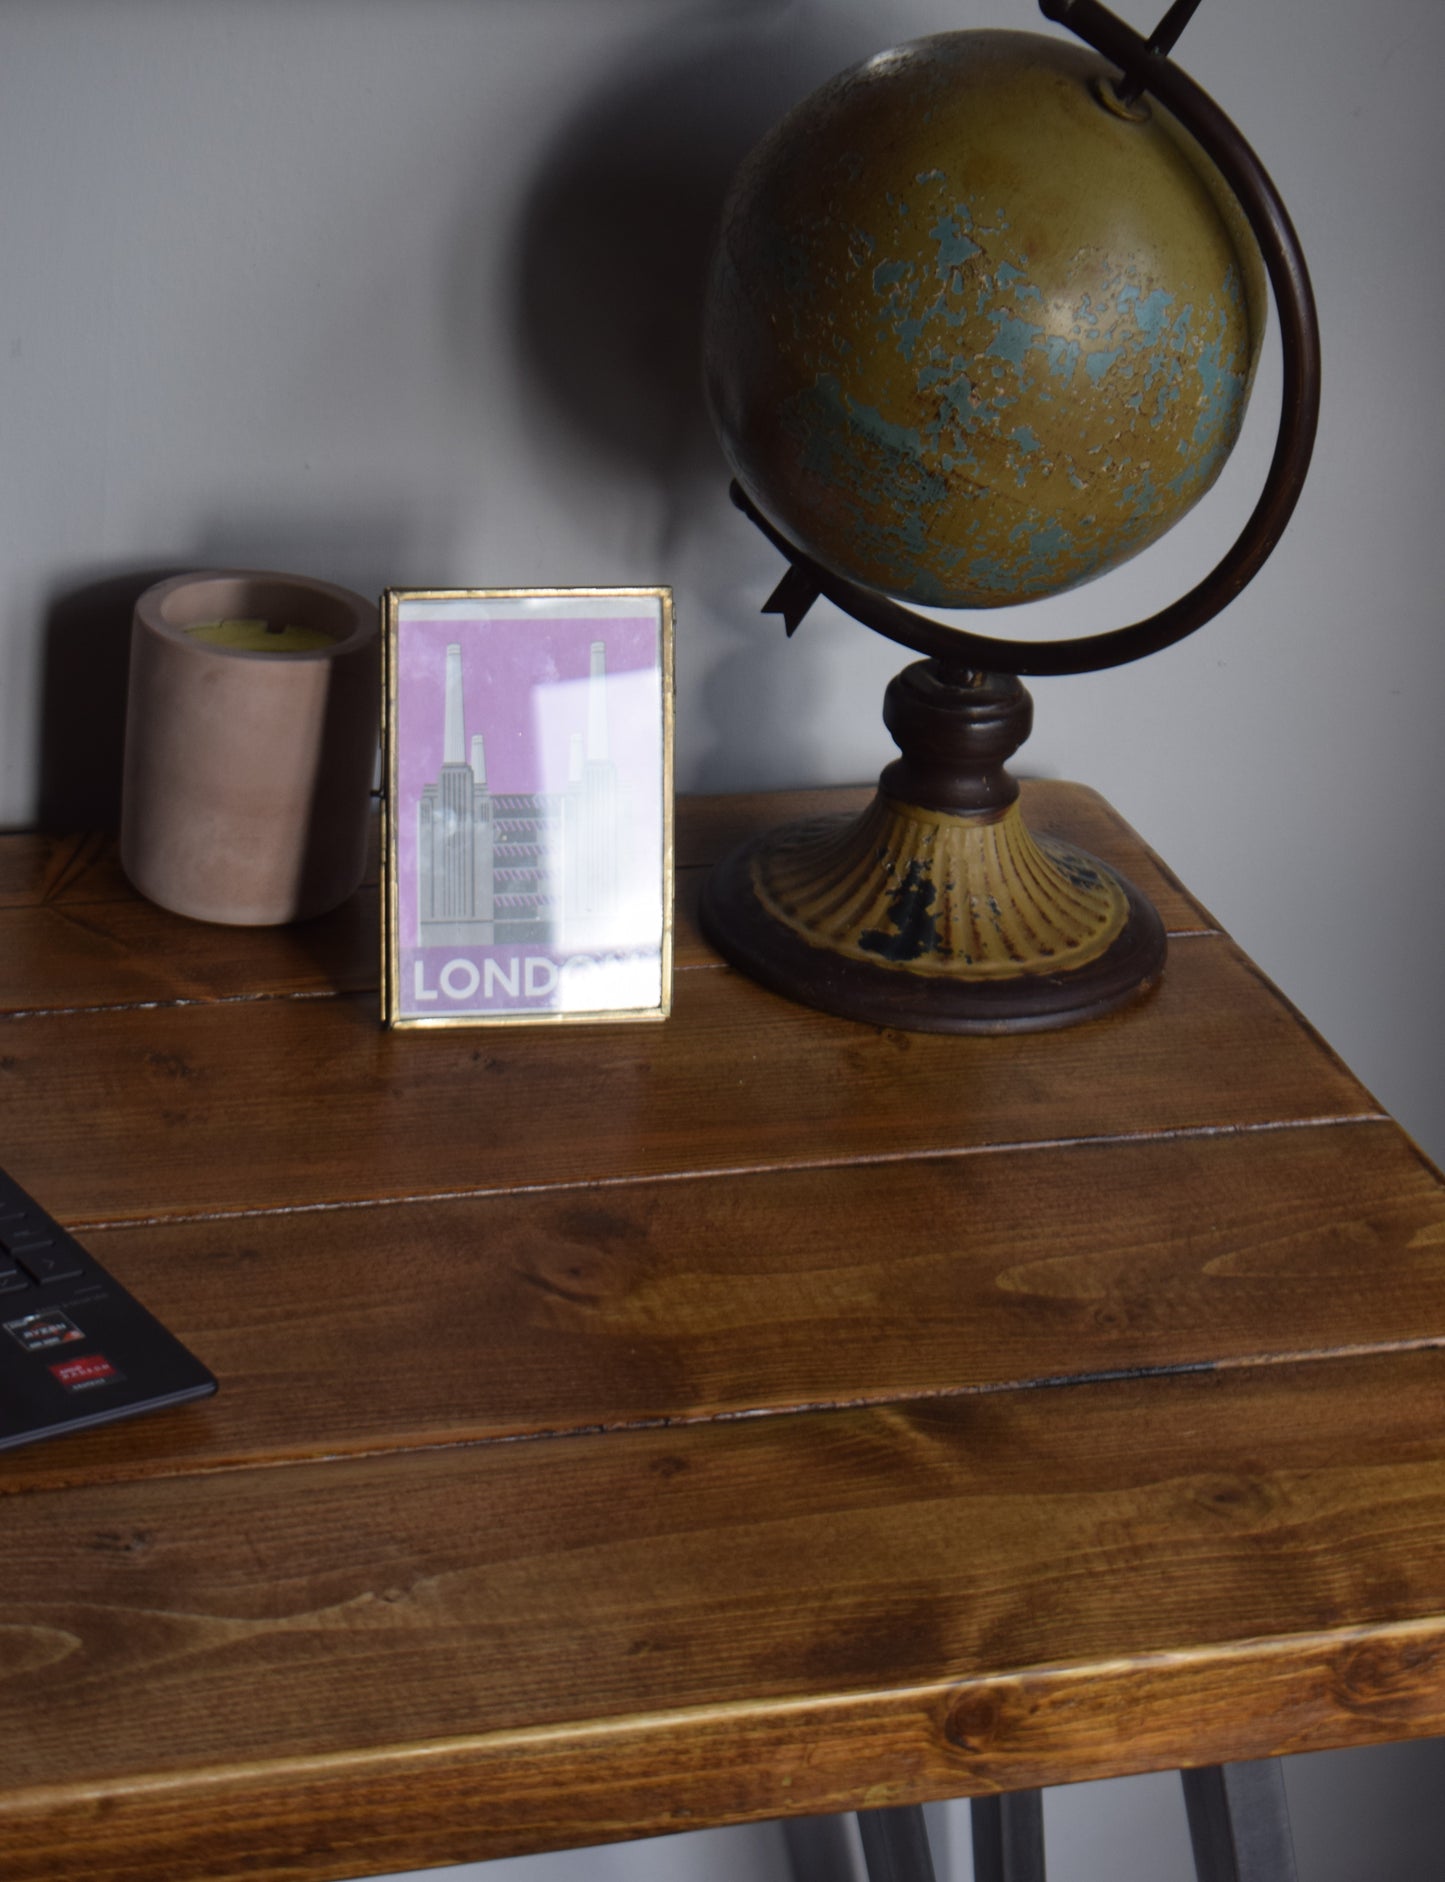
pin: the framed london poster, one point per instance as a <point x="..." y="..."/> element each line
<point x="528" y="831"/>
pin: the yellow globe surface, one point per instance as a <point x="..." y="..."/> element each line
<point x="975" y="334"/>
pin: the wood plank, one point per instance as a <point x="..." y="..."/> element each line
<point x="75" y="936"/>
<point x="131" y="1114"/>
<point x="37" y="866"/>
<point x="992" y="1583"/>
<point x="74" y="956"/>
<point x="348" y="1331"/>
<point x="83" y="867"/>
<point x="425" y="1631"/>
<point x="500" y="1794"/>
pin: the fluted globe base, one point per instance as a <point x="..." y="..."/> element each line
<point x="934" y="921"/>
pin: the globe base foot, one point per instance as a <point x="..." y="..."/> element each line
<point x="938" y="910"/>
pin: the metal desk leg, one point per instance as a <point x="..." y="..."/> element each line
<point x="1239" y="1822"/>
<point x="820" y="1849"/>
<point x="1008" y="1837"/>
<point x="895" y="1844"/>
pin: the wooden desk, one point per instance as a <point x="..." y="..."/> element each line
<point x="630" y="1429"/>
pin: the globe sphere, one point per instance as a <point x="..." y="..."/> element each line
<point x="977" y="331"/>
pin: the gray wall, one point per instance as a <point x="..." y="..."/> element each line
<point x="405" y="291"/>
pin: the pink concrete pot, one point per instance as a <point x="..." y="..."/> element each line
<point x="248" y="773"/>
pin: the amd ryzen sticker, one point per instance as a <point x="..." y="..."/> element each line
<point x="36" y="1331"/>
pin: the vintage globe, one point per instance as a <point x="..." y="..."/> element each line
<point x="978" y="331"/>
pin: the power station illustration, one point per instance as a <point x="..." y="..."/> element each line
<point x="538" y="867"/>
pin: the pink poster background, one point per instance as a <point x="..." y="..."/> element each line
<point x="524" y="682"/>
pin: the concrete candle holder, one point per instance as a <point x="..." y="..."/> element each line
<point x="252" y="723"/>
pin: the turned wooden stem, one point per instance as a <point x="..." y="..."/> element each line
<point x="955" y="729"/>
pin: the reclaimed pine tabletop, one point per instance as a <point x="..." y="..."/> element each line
<point x="633" y="1428"/>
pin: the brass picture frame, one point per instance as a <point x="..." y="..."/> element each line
<point x="527" y="845"/>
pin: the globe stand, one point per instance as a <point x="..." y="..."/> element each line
<point x="938" y="910"/>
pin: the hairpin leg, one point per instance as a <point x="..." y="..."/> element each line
<point x="895" y="1844"/>
<point x="1239" y="1822"/>
<point x="1008" y="1837"/>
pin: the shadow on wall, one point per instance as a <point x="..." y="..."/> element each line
<point x="612" y="244"/>
<point x="367" y="550"/>
<point x="609" y="277"/>
<point x="82" y="712"/>
<point x="87" y="643"/>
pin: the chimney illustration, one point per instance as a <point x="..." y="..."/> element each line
<point x="597" y="703"/>
<point x="454" y="743"/>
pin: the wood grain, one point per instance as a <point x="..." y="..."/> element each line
<point x="990" y="1550"/>
<point x="553" y="1312"/>
<point x="78" y="956"/>
<point x="37" y="866"/>
<point x="286" y="1104"/>
<point x="74" y="936"/>
<point x="628" y="1428"/>
<point x="503" y="1794"/>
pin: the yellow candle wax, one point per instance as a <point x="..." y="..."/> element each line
<point x="255" y="636"/>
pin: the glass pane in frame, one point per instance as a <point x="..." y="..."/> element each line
<point x="528" y="806"/>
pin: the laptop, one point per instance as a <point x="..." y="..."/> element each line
<point x="76" y="1349"/>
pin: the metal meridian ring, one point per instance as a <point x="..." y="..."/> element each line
<point x="1299" y="407"/>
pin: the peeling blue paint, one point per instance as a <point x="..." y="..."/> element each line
<point x="1046" y="549"/>
<point x="1097" y="364"/>
<point x="956" y="477"/>
<point x="1146" y="313"/>
<point x="1012" y="340"/>
<point x="1223" y="396"/>
<point x="909" y="333"/>
<point x="955" y="247"/>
